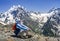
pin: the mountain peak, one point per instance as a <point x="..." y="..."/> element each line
<point x="15" y="7"/>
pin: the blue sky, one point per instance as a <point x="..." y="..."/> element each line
<point x="31" y="5"/>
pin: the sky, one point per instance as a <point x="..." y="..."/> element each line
<point x="30" y="5"/>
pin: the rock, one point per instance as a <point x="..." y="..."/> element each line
<point x="41" y="39"/>
<point x="6" y="30"/>
<point x="1" y="29"/>
<point x="3" y="40"/>
<point x="35" y="37"/>
<point x="10" y="39"/>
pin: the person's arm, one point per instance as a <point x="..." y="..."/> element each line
<point x="26" y="27"/>
<point x="20" y="27"/>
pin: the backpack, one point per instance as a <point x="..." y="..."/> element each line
<point x="14" y="27"/>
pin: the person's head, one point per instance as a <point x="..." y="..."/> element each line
<point x="17" y="20"/>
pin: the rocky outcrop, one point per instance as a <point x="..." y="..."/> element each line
<point x="7" y="36"/>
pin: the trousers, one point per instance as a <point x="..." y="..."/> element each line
<point x="17" y="31"/>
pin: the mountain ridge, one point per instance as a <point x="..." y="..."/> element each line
<point x="35" y="20"/>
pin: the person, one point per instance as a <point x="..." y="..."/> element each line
<point x="20" y="27"/>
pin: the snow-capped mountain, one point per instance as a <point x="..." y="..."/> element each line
<point x="36" y="20"/>
<point x="32" y="19"/>
<point x="20" y="12"/>
<point x="14" y="12"/>
<point x="52" y="26"/>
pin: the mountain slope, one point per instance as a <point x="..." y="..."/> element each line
<point x="52" y="26"/>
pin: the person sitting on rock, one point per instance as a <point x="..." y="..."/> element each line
<point x="20" y="27"/>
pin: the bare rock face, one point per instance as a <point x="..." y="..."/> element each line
<point x="52" y="26"/>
